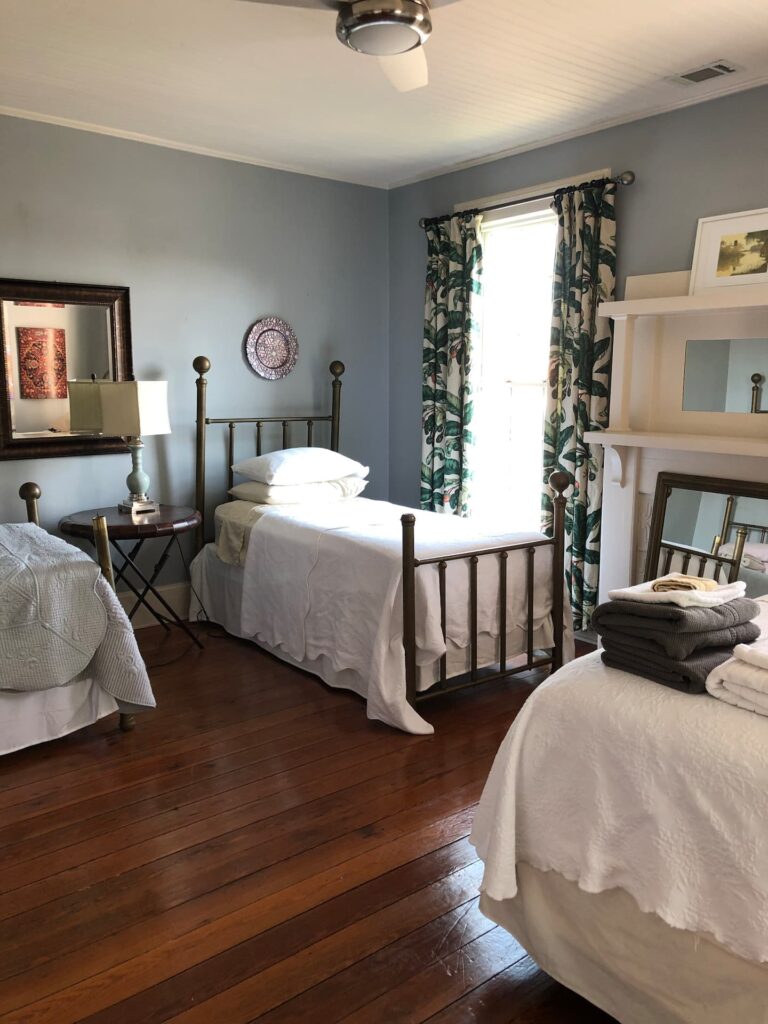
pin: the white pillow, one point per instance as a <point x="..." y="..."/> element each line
<point x="299" y="466"/>
<point x="299" y="494"/>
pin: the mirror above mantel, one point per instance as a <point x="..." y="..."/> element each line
<point x="53" y="333"/>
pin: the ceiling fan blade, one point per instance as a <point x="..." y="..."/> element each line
<point x="315" y="5"/>
<point x="406" y="71"/>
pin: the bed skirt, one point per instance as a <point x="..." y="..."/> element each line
<point x="36" y="717"/>
<point x="631" y="964"/>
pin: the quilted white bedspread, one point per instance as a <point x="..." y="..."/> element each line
<point x="61" y="621"/>
<point x="616" y="781"/>
<point x="327" y="581"/>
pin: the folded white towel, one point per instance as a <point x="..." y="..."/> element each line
<point x="741" y="684"/>
<point x="753" y="654"/>
<point x="683" y="598"/>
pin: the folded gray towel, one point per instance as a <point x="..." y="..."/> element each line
<point x="677" y="644"/>
<point x="669" y="618"/>
<point x="686" y="674"/>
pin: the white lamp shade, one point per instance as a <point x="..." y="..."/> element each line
<point x="125" y="408"/>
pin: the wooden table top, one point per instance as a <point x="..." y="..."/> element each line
<point x="167" y="520"/>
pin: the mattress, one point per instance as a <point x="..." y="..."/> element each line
<point x="39" y="716"/>
<point x="630" y="964"/>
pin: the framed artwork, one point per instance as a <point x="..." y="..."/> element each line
<point x="731" y="249"/>
<point x="42" y="362"/>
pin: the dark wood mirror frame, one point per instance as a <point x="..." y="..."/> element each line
<point x="116" y="302"/>
<point x="665" y="484"/>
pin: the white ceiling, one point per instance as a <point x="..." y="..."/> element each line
<point x="271" y="85"/>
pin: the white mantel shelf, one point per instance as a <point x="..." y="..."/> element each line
<point x="715" y="445"/>
<point x="720" y="300"/>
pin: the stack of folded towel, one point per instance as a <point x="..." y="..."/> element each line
<point x="743" y="679"/>
<point x="676" y="630"/>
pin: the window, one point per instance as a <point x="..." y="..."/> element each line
<point x="518" y="261"/>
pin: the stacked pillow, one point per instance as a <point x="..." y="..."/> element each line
<point x="294" y="476"/>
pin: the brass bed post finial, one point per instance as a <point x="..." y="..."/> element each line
<point x="30" y="494"/>
<point x="757" y="380"/>
<point x="558" y="481"/>
<point x="337" y="368"/>
<point x="201" y="364"/>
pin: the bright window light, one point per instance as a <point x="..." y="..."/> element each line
<point x="510" y="390"/>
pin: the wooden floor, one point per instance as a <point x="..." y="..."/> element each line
<point x="258" y="850"/>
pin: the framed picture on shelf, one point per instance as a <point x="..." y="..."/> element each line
<point x="731" y="249"/>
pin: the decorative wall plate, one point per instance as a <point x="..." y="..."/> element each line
<point x="271" y="348"/>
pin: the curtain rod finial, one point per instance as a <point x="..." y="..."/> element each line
<point x="626" y="178"/>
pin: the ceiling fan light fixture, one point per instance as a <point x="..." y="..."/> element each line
<point x="383" y="28"/>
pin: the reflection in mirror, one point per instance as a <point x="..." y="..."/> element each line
<point x="722" y="536"/>
<point x="721" y="374"/>
<point x="46" y="345"/>
<point x="53" y="333"/>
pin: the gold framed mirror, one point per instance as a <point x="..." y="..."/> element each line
<point x="53" y="333"/>
<point x="708" y="526"/>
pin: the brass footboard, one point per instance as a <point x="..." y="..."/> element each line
<point x="30" y="494"/>
<point x="559" y="482"/>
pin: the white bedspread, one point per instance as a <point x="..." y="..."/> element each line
<point x="60" y="621"/>
<point x="616" y="781"/>
<point x="327" y="582"/>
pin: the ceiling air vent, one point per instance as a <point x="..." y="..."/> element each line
<point x="717" y="69"/>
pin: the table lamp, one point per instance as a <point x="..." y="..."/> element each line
<point x="129" y="409"/>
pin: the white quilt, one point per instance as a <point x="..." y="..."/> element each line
<point x="616" y="781"/>
<point x="327" y="582"/>
<point x="61" y="621"/>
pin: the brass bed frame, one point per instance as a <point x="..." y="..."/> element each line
<point x="30" y="494"/>
<point x="534" y="658"/>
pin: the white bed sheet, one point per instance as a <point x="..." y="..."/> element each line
<point x="618" y="782"/>
<point x="38" y="716"/>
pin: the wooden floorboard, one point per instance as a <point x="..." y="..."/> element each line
<point x="256" y="850"/>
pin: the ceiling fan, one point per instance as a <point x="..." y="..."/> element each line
<point x="394" y="31"/>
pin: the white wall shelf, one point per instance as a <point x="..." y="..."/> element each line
<point x="720" y="300"/>
<point x="717" y="445"/>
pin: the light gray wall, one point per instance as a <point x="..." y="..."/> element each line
<point x="697" y="162"/>
<point x="705" y="381"/>
<point x="206" y="246"/>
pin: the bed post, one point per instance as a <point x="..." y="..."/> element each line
<point x="101" y="541"/>
<point x="408" y="522"/>
<point x="337" y="369"/>
<point x="558" y="481"/>
<point x="30" y="493"/>
<point x="202" y="365"/>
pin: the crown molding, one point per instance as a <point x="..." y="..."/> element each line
<point x="434" y="172"/>
<point x="182" y="147"/>
<point x="594" y="127"/>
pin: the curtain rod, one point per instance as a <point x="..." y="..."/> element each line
<point x="625" y="178"/>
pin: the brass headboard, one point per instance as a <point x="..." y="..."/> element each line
<point x="730" y="524"/>
<point x="202" y="365"/>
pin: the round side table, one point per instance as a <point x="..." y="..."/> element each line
<point x="168" y="522"/>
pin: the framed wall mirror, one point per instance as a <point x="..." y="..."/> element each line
<point x="706" y="526"/>
<point x="53" y="333"/>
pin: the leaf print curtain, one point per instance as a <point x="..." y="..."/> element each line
<point x="579" y="378"/>
<point x="454" y="267"/>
